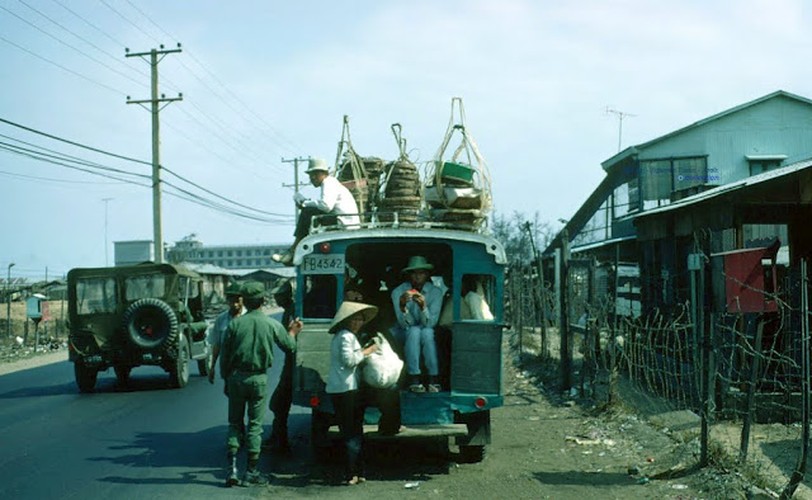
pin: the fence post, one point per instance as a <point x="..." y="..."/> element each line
<point x="563" y="327"/>
<point x="751" y="393"/>
<point x="800" y="469"/>
<point x="696" y="264"/>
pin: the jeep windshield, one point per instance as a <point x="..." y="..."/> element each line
<point x="95" y="295"/>
<point x="144" y="286"/>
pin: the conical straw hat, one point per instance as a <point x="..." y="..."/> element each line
<point x="348" y="308"/>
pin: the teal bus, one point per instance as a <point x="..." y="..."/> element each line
<point x="369" y="259"/>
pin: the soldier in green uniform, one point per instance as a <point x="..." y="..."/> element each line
<point x="245" y="357"/>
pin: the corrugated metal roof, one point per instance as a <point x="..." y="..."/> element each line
<point x="598" y="244"/>
<point x="726" y="188"/>
<point x="635" y="149"/>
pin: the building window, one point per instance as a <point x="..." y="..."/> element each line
<point x="656" y="179"/>
<point x="621" y="200"/>
<point x="761" y="166"/>
<point x="689" y="172"/>
<point x="660" y="178"/>
<point x="598" y="228"/>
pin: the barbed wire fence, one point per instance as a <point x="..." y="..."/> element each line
<point x="742" y="377"/>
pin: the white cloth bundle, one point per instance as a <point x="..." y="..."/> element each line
<point x="382" y="368"/>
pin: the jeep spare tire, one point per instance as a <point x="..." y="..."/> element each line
<point x="150" y="323"/>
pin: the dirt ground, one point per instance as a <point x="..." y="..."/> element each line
<point x="19" y="346"/>
<point x="545" y="445"/>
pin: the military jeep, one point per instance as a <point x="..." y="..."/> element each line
<point x="128" y="316"/>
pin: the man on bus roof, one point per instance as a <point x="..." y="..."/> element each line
<point x="335" y="204"/>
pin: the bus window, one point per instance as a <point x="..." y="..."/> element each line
<point x="319" y="297"/>
<point x="477" y="292"/>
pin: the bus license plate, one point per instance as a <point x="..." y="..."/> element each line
<point x="323" y="264"/>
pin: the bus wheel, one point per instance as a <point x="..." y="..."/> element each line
<point x="470" y="454"/>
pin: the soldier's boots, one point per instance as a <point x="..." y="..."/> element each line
<point x="252" y="474"/>
<point x="232" y="479"/>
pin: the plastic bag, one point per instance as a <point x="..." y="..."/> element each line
<point x="382" y="368"/>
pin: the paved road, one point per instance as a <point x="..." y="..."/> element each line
<point x="153" y="442"/>
<point x="149" y="441"/>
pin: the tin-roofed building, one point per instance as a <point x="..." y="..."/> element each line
<point x="767" y="134"/>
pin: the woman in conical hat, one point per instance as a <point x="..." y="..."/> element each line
<point x="348" y="308"/>
<point x="343" y="385"/>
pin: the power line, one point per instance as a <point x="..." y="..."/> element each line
<point x="182" y="193"/>
<point x="12" y="147"/>
<point x="120" y="44"/>
<point x="66" y="44"/>
<point x="127" y="20"/>
<point x="51" y="179"/>
<point x="245" y="148"/>
<point x="51" y="158"/>
<point x="73" y="167"/>
<point x="61" y="67"/>
<point x="80" y="37"/>
<point x="58" y="154"/>
<point x="220" y="196"/>
<point x="214" y="77"/>
<point x="73" y="143"/>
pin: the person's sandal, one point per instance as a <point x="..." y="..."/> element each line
<point x="417" y="388"/>
<point x="434" y="388"/>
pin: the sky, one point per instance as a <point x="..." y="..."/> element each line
<point x="544" y="84"/>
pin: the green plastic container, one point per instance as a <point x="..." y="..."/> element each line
<point x="457" y="174"/>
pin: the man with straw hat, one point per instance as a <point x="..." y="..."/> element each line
<point x="417" y="303"/>
<point x="343" y="381"/>
<point x="335" y="200"/>
<point x="246" y="355"/>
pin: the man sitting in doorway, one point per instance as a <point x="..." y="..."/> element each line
<point x="335" y="201"/>
<point x="417" y="305"/>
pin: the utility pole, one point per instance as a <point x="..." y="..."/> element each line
<point x="296" y="185"/>
<point x="154" y="109"/>
<point x="106" y="259"/>
<point x="620" y="116"/>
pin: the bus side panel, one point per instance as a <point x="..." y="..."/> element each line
<point x="476" y="358"/>
<point x="312" y="363"/>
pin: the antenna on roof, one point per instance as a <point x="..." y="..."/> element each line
<point x="620" y="116"/>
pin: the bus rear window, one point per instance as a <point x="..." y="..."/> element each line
<point x="477" y="294"/>
<point x="319" y="297"/>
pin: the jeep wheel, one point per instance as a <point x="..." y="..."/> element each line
<point x="85" y="377"/>
<point x="150" y="323"/>
<point x="179" y="373"/>
<point x="122" y="374"/>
